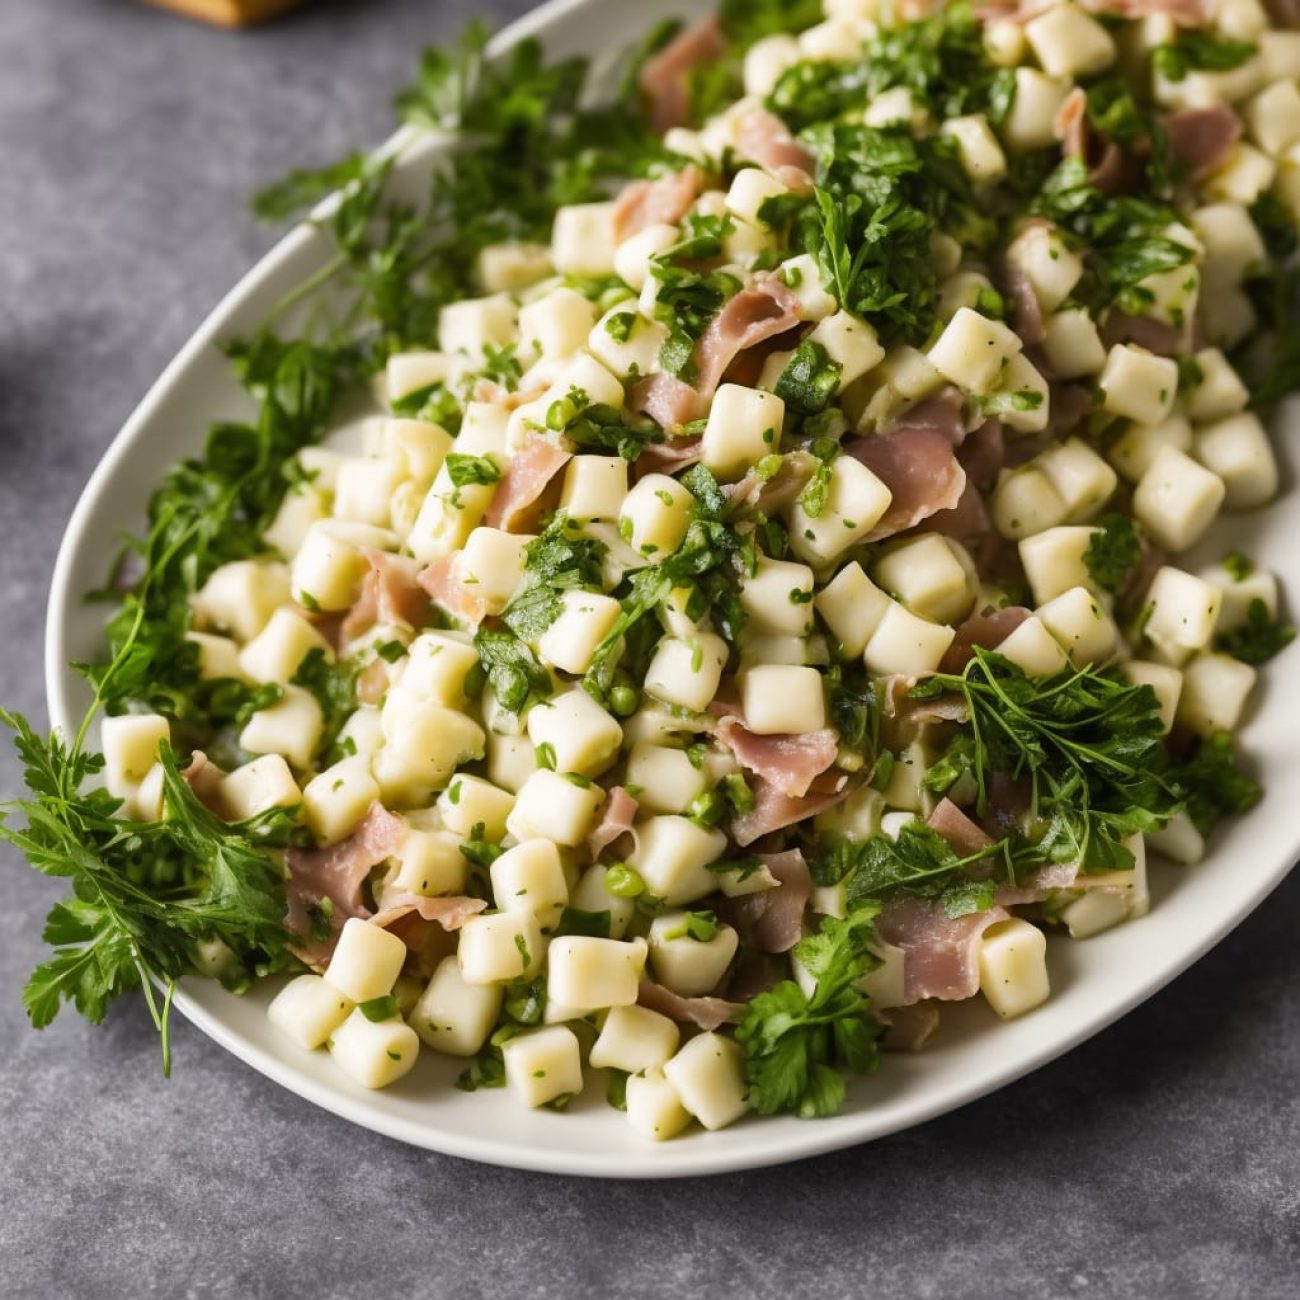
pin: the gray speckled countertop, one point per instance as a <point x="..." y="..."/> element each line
<point x="1161" y="1159"/>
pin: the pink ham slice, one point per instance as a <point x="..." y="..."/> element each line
<point x="965" y="836"/>
<point x="390" y="593"/>
<point x="616" y="819"/>
<point x="982" y="453"/>
<point x="668" y="457"/>
<point x="337" y="873"/>
<point x="664" y="79"/>
<point x="1038" y="884"/>
<point x="908" y="1029"/>
<point x="987" y="631"/>
<point x="789" y="762"/>
<point x="750" y="317"/>
<point x="401" y="908"/>
<point x="662" y="202"/>
<point x="1200" y="139"/>
<point x="1186" y="13"/>
<point x="705" y="1013"/>
<point x="772" y="495"/>
<point x="920" y="470"/>
<point x="670" y="402"/>
<point x="441" y="581"/>
<point x="204" y="777"/>
<point x="526" y="477"/>
<point x="967" y="519"/>
<point x="772" y="919"/>
<point x="940" y="953"/>
<point x="1156" y="336"/>
<point x="763" y="138"/>
<point x="773" y="811"/>
<point x="1109" y="168"/>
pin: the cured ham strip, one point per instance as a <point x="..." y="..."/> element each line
<point x="908" y="1029"/>
<point x="667" y="400"/>
<point x="1186" y="13"/>
<point x="662" y="202"/>
<point x="965" y="836"/>
<point x="706" y="1013"/>
<point x="1009" y="801"/>
<point x="339" y="871"/>
<point x="967" y="519"/>
<point x="773" y="495"/>
<point x="440" y="580"/>
<point x="920" y="470"/>
<point x="790" y="762"/>
<point x="1026" y="313"/>
<point x="940" y="953"/>
<point x="1037" y="886"/>
<point x="526" y="477"/>
<point x="750" y="317"/>
<point x="616" y="819"/>
<point x="987" y="631"/>
<point x="763" y="138"/>
<point x="1200" y="139"/>
<point x="773" y="811"/>
<point x="772" y="920"/>
<point x="204" y="777"/>
<point x="668" y="457"/>
<point x="942" y="413"/>
<point x="664" y="79"/>
<point x="449" y="912"/>
<point x="390" y="593"/>
<point x="1156" y="336"/>
<point x="982" y="454"/>
<point x="1109" y="168"/>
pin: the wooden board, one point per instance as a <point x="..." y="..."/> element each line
<point x="228" y="13"/>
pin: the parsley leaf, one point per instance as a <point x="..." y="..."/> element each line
<point x="1114" y="552"/>
<point x="798" y="1046"/>
<point x="1259" y="638"/>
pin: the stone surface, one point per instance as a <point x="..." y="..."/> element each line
<point x="1161" y="1159"/>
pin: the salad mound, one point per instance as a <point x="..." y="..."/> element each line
<point x="771" y="587"/>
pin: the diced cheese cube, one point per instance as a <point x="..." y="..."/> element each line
<point x="499" y="947"/>
<point x="366" y="962"/>
<point x="981" y="154"/>
<point x="513" y="265"/>
<point x="1238" y="451"/>
<point x="688" y="966"/>
<point x="586" y="973"/>
<point x="277" y="651"/>
<point x="453" y="1016"/>
<point x="927" y="575"/>
<point x="855" y="502"/>
<point x="553" y="806"/>
<point x="655" y="515"/>
<point x="429" y="863"/>
<point x="1082" y="627"/>
<point x="709" y="1076"/>
<point x="1177" y="499"/>
<point x="1072" y="345"/>
<point x="803" y="277"/>
<point x="851" y="343"/>
<point x="240" y="597"/>
<point x="594" y="487"/>
<point x="634" y="1039"/>
<point x="782" y="699"/>
<point x="372" y="1053"/>
<point x="582" y="239"/>
<point x="585" y="619"/>
<point x="744" y="424"/>
<point x="634" y="256"/>
<point x="1013" y="967"/>
<point x="529" y="878"/>
<point x="309" y="1010"/>
<point x="1050" y="266"/>
<point x="1034" y="649"/>
<point x="906" y="643"/>
<point x="581" y="735"/>
<point x="852" y="606"/>
<point x="673" y="855"/>
<point x="686" y="671"/>
<point x="1215" y="688"/>
<point x="258" y="786"/>
<point x="1243" y="178"/>
<point x="131" y="743"/>
<point x="1165" y="680"/>
<point x="335" y="802"/>
<point x="437" y="666"/>
<point x="778" y="596"/>
<point x="972" y="350"/>
<point x="1134" y="450"/>
<point x="653" y="1107"/>
<point x="543" y="1065"/>
<point x="291" y="726"/>
<point x="1070" y="43"/>
<point x="557" y="325"/>
<point x="1082" y="480"/>
<point x="1031" y="121"/>
<point x="1025" y="502"/>
<point x="1220" y="391"/>
<point x="1138" y="384"/>
<point x="473" y="325"/>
